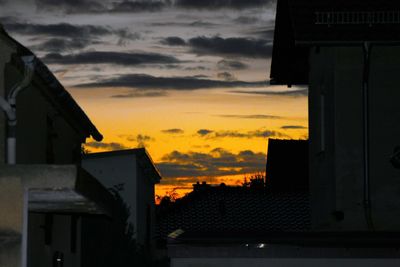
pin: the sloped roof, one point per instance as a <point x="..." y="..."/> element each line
<point x="301" y="23"/>
<point x="237" y="210"/>
<point x="55" y="90"/>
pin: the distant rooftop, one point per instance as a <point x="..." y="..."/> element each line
<point x="236" y="211"/>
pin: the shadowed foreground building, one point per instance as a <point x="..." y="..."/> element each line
<point x="43" y="191"/>
<point x="133" y="174"/>
<point x="348" y="54"/>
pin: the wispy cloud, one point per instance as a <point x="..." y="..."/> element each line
<point x="251" y="116"/>
<point x="107" y="57"/>
<point x="216" y="162"/>
<point x="231" y="65"/>
<point x="212" y="4"/>
<point x="144" y="81"/>
<point x="140" y="94"/>
<point x="204" y="132"/>
<point x="234" y="46"/>
<point x="173" y="131"/>
<point x="105" y="145"/>
<point x="261" y="133"/>
<point x="293" y="93"/>
<point x="289" y="127"/>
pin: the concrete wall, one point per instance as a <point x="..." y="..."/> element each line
<point x="117" y="170"/>
<point x="5" y="56"/>
<point x="336" y="138"/>
<point x="145" y="210"/>
<point x="60" y="239"/>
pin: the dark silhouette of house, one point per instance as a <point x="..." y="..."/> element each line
<point x="348" y="53"/>
<point x="287" y="165"/>
<point x="43" y="191"/>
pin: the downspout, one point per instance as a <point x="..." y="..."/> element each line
<point x="365" y="88"/>
<point x="9" y="106"/>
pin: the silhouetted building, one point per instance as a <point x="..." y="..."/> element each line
<point x="133" y="174"/>
<point x="287" y="165"/>
<point x="348" y="53"/>
<point x="41" y="204"/>
<point x="216" y="225"/>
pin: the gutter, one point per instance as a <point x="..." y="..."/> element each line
<point x="9" y="106"/>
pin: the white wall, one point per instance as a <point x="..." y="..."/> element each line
<point x="114" y="170"/>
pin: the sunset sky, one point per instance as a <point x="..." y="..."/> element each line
<point x="187" y="79"/>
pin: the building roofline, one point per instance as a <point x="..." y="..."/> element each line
<point x="56" y="90"/>
<point x="143" y="157"/>
<point x="306" y="238"/>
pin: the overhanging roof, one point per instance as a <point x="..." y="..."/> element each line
<point x="303" y="23"/>
<point x="45" y="80"/>
<point x="60" y="188"/>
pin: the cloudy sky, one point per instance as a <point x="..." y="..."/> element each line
<point x="187" y="79"/>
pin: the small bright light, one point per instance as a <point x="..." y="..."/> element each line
<point x="261" y="245"/>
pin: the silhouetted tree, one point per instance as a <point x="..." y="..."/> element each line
<point x="125" y="250"/>
<point x="255" y="181"/>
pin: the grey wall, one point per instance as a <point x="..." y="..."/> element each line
<point x="145" y="200"/>
<point x="336" y="137"/>
<point x="5" y="55"/>
<point x="114" y="170"/>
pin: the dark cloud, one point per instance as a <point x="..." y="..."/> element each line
<point x="246" y="20"/>
<point x="217" y="162"/>
<point x="60" y="45"/>
<point x="252" y="116"/>
<point x="105" y="57"/>
<point x="136" y="6"/>
<point x="204" y="132"/>
<point x="70" y="6"/>
<point x="293" y="93"/>
<point x="210" y="134"/>
<point x="173" y="131"/>
<point x="288" y="127"/>
<point x="234" y="46"/>
<point x="173" y="41"/>
<point x="58" y="30"/>
<point x="92" y="6"/>
<point x="143" y="81"/>
<point x="71" y="34"/>
<point x="231" y="65"/>
<point x="211" y="4"/>
<point x="227" y="76"/>
<point x="137" y="93"/>
<point x="143" y="140"/>
<point x="194" y="24"/>
<point x="267" y="33"/>
<point x="106" y="146"/>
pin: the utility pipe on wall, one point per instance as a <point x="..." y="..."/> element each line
<point x="9" y="106"/>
